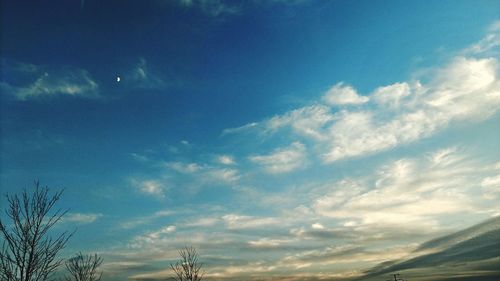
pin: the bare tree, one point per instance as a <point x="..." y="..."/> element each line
<point x="188" y="268"/>
<point x="397" y="277"/>
<point x="84" y="268"/>
<point x="29" y="252"/>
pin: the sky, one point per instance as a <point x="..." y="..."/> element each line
<point x="298" y="139"/>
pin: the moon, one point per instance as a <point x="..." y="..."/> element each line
<point x="118" y="79"/>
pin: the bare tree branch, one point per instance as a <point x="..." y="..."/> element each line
<point x="83" y="268"/>
<point x="188" y="268"/>
<point x="28" y="252"/>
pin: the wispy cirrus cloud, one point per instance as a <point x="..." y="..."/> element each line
<point x="140" y="76"/>
<point x="386" y="210"/>
<point x="399" y="194"/>
<point x="28" y="81"/>
<point x="150" y="187"/>
<point x="25" y="81"/>
<point x="234" y="221"/>
<point x="489" y="43"/>
<point x="269" y="243"/>
<point x="205" y="173"/>
<point x="138" y="221"/>
<point x="184" y="168"/>
<point x="491" y="186"/>
<point x="345" y="124"/>
<point x="389" y="208"/>
<point x="82" y="218"/>
<point x="283" y="160"/>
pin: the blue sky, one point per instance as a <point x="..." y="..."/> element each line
<point x="280" y="138"/>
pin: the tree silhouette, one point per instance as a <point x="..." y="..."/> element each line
<point x="397" y="277"/>
<point x="188" y="268"/>
<point x="29" y="252"/>
<point x="83" y="268"/>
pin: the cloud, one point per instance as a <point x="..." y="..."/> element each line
<point x="224" y="175"/>
<point x="317" y="226"/>
<point x="184" y="168"/>
<point x="283" y="160"/>
<point x="241" y="129"/>
<point x="323" y="234"/>
<point x="267" y="243"/>
<point x="226" y="160"/>
<point x="118" y="267"/>
<point x="234" y="221"/>
<point x="467" y="89"/>
<point x="132" y="223"/>
<point x="150" y="187"/>
<point x="202" y="222"/>
<point x="151" y="238"/>
<point x="142" y="77"/>
<point x="140" y="157"/>
<point x="491" y="187"/>
<point x="392" y="95"/>
<point x="408" y="193"/>
<point x="341" y="94"/>
<point x="306" y="121"/>
<point x="348" y="256"/>
<point x="81" y="218"/>
<point x="328" y="254"/>
<point x="387" y="211"/>
<point x="389" y="208"/>
<point x="476" y="243"/>
<point x="204" y="173"/>
<point x="488" y="44"/>
<point x="29" y="81"/>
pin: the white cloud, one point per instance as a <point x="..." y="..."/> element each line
<point x="49" y="81"/>
<point x="140" y="157"/>
<point x="391" y="95"/>
<point x="341" y="94"/>
<point x="491" y="187"/>
<point x="240" y="129"/>
<point x="268" y="243"/>
<point x="234" y="221"/>
<point x="346" y="254"/>
<point x="302" y="210"/>
<point x="203" y="173"/>
<point x="151" y="187"/>
<point x="184" y="168"/>
<point x="224" y="175"/>
<point x="81" y="218"/>
<point x="283" y="160"/>
<point x="306" y="121"/>
<point x="405" y="201"/>
<point x="317" y="226"/>
<point x="168" y="229"/>
<point x="488" y="43"/>
<point x="226" y="160"/>
<point x="340" y="194"/>
<point x="154" y="237"/>
<point x="408" y="193"/>
<point x="467" y="89"/>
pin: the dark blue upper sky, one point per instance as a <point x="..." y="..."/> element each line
<point x="230" y="116"/>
